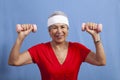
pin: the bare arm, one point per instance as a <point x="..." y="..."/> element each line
<point x="16" y="58"/>
<point x="98" y="58"/>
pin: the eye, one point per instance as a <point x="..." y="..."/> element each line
<point x="53" y="27"/>
<point x="63" y="26"/>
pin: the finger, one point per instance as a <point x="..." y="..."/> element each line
<point x="87" y="28"/>
<point x="27" y="26"/>
<point x="22" y="27"/>
<point x="87" y="25"/>
<point x="18" y="28"/>
<point x="94" y="26"/>
<point x="30" y="27"/>
<point x="91" y="25"/>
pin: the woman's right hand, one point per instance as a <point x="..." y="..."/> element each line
<point x="23" y="30"/>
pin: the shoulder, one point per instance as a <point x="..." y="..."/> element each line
<point x="41" y="45"/>
<point x="76" y="44"/>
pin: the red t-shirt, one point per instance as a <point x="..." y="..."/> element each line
<point x="50" y="68"/>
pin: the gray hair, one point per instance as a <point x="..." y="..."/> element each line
<point x="57" y="13"/>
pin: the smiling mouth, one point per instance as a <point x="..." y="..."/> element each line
<point x="59" y="36"/>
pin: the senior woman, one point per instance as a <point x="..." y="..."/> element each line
<point x="58" y="59"/>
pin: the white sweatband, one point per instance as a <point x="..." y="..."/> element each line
<point x="57" y="19"/>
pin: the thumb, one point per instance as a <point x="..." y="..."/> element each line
<point x="30" y="29"/>
<point x="87" y="29"/>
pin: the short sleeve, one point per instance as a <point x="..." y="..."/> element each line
<point x="34" y="53"/>
<point x="84" y="51"/>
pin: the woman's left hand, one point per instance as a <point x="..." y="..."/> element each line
<point x="91" y="28"/>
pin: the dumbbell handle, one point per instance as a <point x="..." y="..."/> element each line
<point x="19" y="28"/>
<point x="99" y="27"/>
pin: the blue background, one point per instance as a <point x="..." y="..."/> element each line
<point x="106" y="12"/>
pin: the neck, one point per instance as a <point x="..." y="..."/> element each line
<point x="59" y="45"/>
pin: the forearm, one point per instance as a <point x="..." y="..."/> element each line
<point x="100" y="54"/>
<point x="15" y="51"/>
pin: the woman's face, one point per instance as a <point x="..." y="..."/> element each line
<point x="58" y="32"/>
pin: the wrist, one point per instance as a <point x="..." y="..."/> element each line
<point x="96" y="42"/>
<point x="20" y="38"/>
<point x="96" y="38"/>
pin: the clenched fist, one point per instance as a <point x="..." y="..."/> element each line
<point x="25" y="27"/>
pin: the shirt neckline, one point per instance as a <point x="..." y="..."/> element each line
<point x="55" y="57"/>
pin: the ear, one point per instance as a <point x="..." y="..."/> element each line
<point x="49" y="32"/>
<point x="48" y="29"/>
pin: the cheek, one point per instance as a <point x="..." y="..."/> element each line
<point x="51" y="33"/>
<point x="66" y="32"/>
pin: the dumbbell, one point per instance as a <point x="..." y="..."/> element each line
<point x="19" y="28"/>
<point x="99" y="27"/>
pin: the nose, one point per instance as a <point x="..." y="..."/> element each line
<point x="59" y="30"/>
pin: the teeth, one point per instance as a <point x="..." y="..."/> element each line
<point x="59" y="36"/>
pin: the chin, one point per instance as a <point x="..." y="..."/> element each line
<point x="60" y="41"/>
